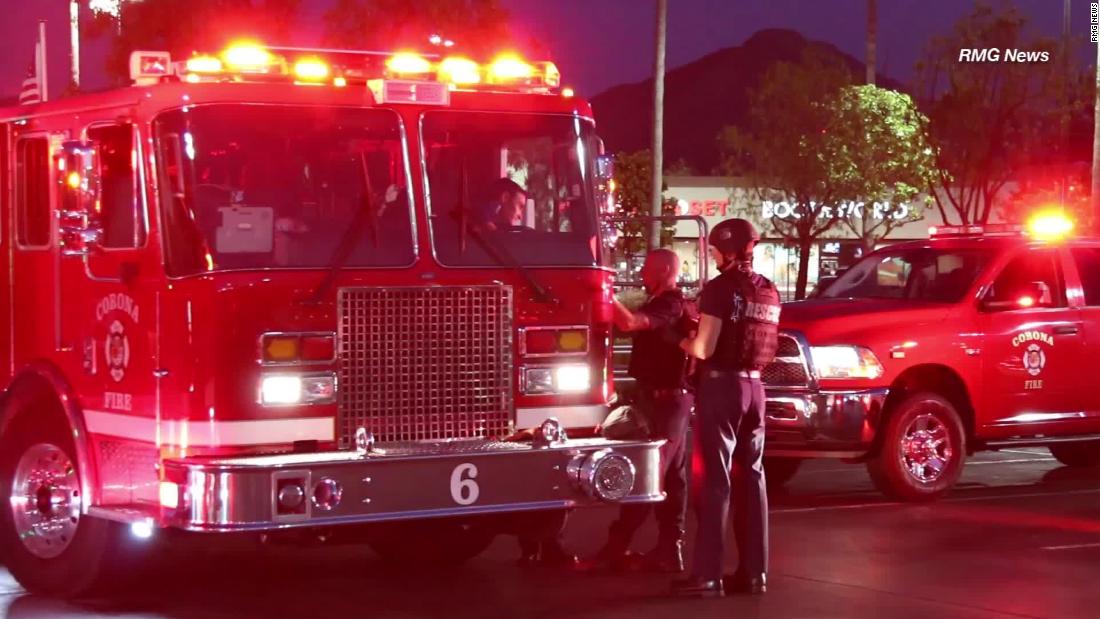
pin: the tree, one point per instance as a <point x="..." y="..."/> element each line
<point x="183" y="26"/>
<point x="785" y="150"/>
<point x="477" y="26"/>
<point x="633" y="175"/>
<point x="876" y="152"/>
<point x="990" y="120"/>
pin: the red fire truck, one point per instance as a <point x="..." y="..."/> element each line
<point x="927" y="351"/>
<point x="280" y="289"/>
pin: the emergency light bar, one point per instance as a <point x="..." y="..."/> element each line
<point x="975" y="230"/>
<point x="248" y="61"/>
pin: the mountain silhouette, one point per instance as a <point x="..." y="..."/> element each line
<point x="703" y="96"/>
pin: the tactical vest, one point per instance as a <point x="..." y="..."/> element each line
<point x="755" y="321"/>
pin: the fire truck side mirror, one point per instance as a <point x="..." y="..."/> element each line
<point x="78" y="177"/>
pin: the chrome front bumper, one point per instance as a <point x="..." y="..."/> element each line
<point x="402" y="481"/>
<point x="822" y="424"/>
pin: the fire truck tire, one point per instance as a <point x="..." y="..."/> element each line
<point x="922" y="451"/>
<point x="779" y="471"/>
<point x="1085" y="453"/>
<point x="77" y="554"/>
<point x="432" y="543"/>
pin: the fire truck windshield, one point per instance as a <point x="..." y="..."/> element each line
<point x="918" y="274"/>
<point x="519" y="182"/>
<point x="249" y="186"/>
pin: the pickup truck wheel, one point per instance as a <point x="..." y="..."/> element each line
<point x="1085" y="453"/>
<point x="779" y="471"/>
<point x="431" y="543"/>
<point x="922" y="452"/>
<point x="48" y="544"/>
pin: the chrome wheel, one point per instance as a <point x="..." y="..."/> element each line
<point x="45" y="500"/>
<point x="926" y="449"/>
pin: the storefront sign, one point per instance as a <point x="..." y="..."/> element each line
<point x="845" y="210"/>
<point x="703" y="208"/>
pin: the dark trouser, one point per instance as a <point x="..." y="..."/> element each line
<point x="668" y="413"/>
<point x="730" y="423"/>
<point x="540" y="529"/>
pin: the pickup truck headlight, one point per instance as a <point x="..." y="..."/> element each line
<point x="297" y="389"/>
<point x="845" y="362"/>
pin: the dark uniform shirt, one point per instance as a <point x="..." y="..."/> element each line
<point x="722" y="298"/>
<point x="656" y="360"/>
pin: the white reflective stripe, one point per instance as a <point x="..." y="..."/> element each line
<point x="210" y="433"/>
<point x="569" y="416"/>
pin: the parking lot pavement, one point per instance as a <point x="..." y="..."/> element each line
<point x="1020" y="537"/>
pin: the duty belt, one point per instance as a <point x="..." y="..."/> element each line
<point x="751" y="374"/>
<point x="663" y="392"/>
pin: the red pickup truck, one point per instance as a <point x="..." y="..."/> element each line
<point x="925" y="352"/>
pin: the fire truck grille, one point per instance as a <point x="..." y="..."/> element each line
<point x="789" y="367"/>
<point x="425" y="363"/>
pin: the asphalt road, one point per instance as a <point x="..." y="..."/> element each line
<point x="1020" y="537"/>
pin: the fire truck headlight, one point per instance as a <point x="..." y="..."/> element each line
<point x="295" y="389"/>
<point x="571" y="378"/>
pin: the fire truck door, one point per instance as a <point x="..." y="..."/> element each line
<point x="34" y="285"/>
<point x="109" y="300"/>
<point x="1033" y="355"/>
<point x="5" y="251"/>
<point x="1086" y="260"/>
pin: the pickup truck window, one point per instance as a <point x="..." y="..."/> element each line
<point x="1088" y="268"/>
<point x="1034" y="270"/>
<point x="921" y="273"/>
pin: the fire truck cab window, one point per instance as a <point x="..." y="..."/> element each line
<point x="924" y="274"/>
<point x="1088" y="269"/>
<point x="32" y="188"/>
<point x="278" y="186"/>
<point x="1033" y="271"/>
<point x="121" y="215"/>
<point x="510" y="187"/>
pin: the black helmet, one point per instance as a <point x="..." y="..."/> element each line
<point x="732" y="237"/>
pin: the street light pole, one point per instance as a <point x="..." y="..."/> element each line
<point x="656" y="199"/>
<point x="74" y="40"/>
<point x="872" y="41"/>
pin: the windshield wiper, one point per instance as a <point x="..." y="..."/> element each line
<point x="366" y="217"/>
<point x="504" y="258"/>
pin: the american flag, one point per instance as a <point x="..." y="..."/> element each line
<point x="31" y="92"/>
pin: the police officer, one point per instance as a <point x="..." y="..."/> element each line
<point x="658" y="365"/>
<point x="737" y="337"/>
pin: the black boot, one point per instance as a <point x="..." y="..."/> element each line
<point x="615" y="554"/>
<point x="741" y="583"/>
<point x="697" y="587"/>
<point x="667" y="557"/>
<point x="553" y="555"/>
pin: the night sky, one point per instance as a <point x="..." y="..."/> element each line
<point x="599" y="43"/>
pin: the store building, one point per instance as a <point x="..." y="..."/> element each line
<point x="717" y="198"/>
